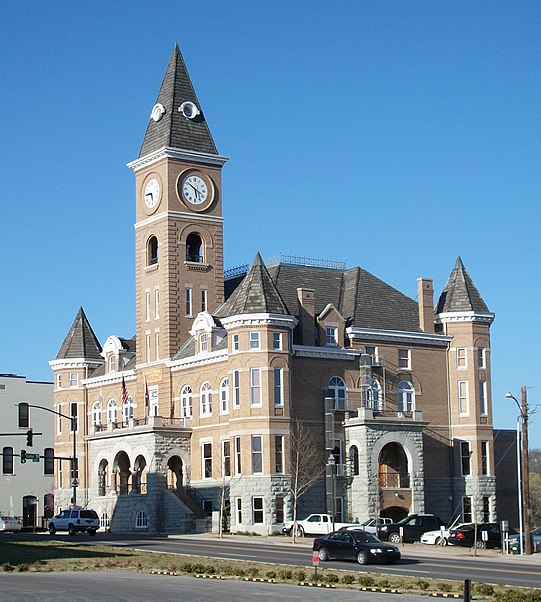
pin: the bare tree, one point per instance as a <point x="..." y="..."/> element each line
<point x="223" y="461"/>
<point x="307" y="465"/>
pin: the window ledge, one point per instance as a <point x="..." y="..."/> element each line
<point x="196" y="266"/>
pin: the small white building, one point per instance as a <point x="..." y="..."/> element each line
<point x="26" y="489"/>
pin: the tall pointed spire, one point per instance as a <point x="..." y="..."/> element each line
<point x="80" y="342"/>
<point x="256" y="294"/>
<point x="460" y="293"/>
<point x="170" y="127"/>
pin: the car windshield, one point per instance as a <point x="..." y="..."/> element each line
<point x="364" y="537"/>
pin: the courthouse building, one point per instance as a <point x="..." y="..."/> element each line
<point x="199" y="407"/>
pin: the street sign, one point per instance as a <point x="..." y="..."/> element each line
<point x="315" y="558"/>
<point x="33" y="457"/>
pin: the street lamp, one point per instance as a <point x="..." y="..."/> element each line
<point x="525" y="470"/>
<point x="331" y="464"/>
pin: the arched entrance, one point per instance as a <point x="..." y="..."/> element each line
<point x="139" y="476"/>
<point x="103" y="477"/>
<point x="175" y="473"/>
<point x="393" y="467"/>
<point x="122" y="473"/>
<point x="394" y="482"/>
<point x="30" y="511"/>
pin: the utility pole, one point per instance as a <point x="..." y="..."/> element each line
<point x="525" y="473"/>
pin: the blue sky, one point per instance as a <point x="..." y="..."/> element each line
<point x="392" y="135"/>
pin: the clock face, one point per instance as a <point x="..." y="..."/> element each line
<point x="152" y="193"/>
<point x="195" y="190"/>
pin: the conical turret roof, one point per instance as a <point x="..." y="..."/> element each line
<point x="173" y="129"/>
<point x="80" y="342"/>
<point x="256" y="294"/>
<point x="460" y="293"/>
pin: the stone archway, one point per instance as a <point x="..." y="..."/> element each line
<point x="122" y="473"/>
<point x="139" y="475"/>
<point x="175" y="473"/>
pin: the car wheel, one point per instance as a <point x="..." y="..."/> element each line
<point x="71" y="529"/>
<point x="323" y="554"/>
<point x="438" y="541"/>
<point x="362" y="558"/>
<point x="52" y="529"/>
<point x="394" y="538"/>
<point x="480" y="544"/>
<point x="300" y="532"/>
<point x="444" y="542"/>
<point x="92" y="532"/>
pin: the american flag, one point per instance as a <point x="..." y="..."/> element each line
<point x="124" y="391"/>
<point x="147" y="397"/>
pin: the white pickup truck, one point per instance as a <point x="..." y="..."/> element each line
<point x="315" y="524"/>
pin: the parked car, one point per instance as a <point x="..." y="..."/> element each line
<point x="355" y="545"/>
<point x="413" y="526"/>
<point x="74" y="521"/>
<point x="10" y="523"/>
<point x="439" y="537"/>
<point x="371" y="525"/>
<point x="465" y="536"/>
<point x="514" y="541"/>
<point x="315" y="524"/>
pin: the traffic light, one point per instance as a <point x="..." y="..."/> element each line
<point x="29" y="437"/>
<point x="23" y="456"/>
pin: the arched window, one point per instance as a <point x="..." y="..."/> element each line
<point x="206" y="399"/>
<point x="224" y="396"/>
<point x="141" y="521"/>
<point x="48" y="460"/>
<point x="354" y="460"/>
<point x="194" y="248"/>
<point x="111" y="411"/>
<point x="405" y="396"/>
<point x="152" y="251"/>
<point x="96" y="413"/>
<point x="186" y="402"/>
<point x="7" y="460"/>
<point x="337" y="390"/>
<point x="127" y="409"/>
<point x="373" y="395"/>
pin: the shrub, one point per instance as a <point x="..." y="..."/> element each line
<point x="252" y="572"/>
<point x="187" y="568"/>
<point x="422" y="584"/>
<point x="483" y="589"/>
<point x="384" y="583"/>
<point x="300" y="575"/>
<point x="444" y="587"/>
<point x="285" y="574"/>
<point x="331" y="578"/>
<point x="22" y="568"/>
<point x="348" y="579"/>
<point x="228" y="570"/>
<point x="366" y="580"/>
<point x="270" y="574"/>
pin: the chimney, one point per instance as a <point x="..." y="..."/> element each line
<point x="425" y="293"/>
<point x="307" y="314"/>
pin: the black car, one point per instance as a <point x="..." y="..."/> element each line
<point x="411" y="527"/>
<point x="489" y="535"/>
<point x="355" y="545"/>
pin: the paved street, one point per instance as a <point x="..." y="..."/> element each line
<point x="137" y="587"/>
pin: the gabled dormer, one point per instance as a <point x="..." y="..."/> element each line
<point x="331" y="327"/>
<point x="207" y="332"/>
<point x="117" y="352"/>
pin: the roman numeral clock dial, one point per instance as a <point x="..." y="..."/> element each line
<point x="196" y="190"/>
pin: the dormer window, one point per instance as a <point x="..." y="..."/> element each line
<point x="332" y="335"/>
<point x="112" y="363"/>
<point x="203" y="342"/>
<point x="194" y="248"/>
<point x="152" y="251"/>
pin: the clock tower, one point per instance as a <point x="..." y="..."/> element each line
<point x="179" y="224"/>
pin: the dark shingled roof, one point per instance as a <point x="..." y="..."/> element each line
<point x="80" y="342"/>
<point x="460" y="293"/>
<point x="173" y="129"/>
<point x="364" y="300"/>
<point x="256" y="294"/>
